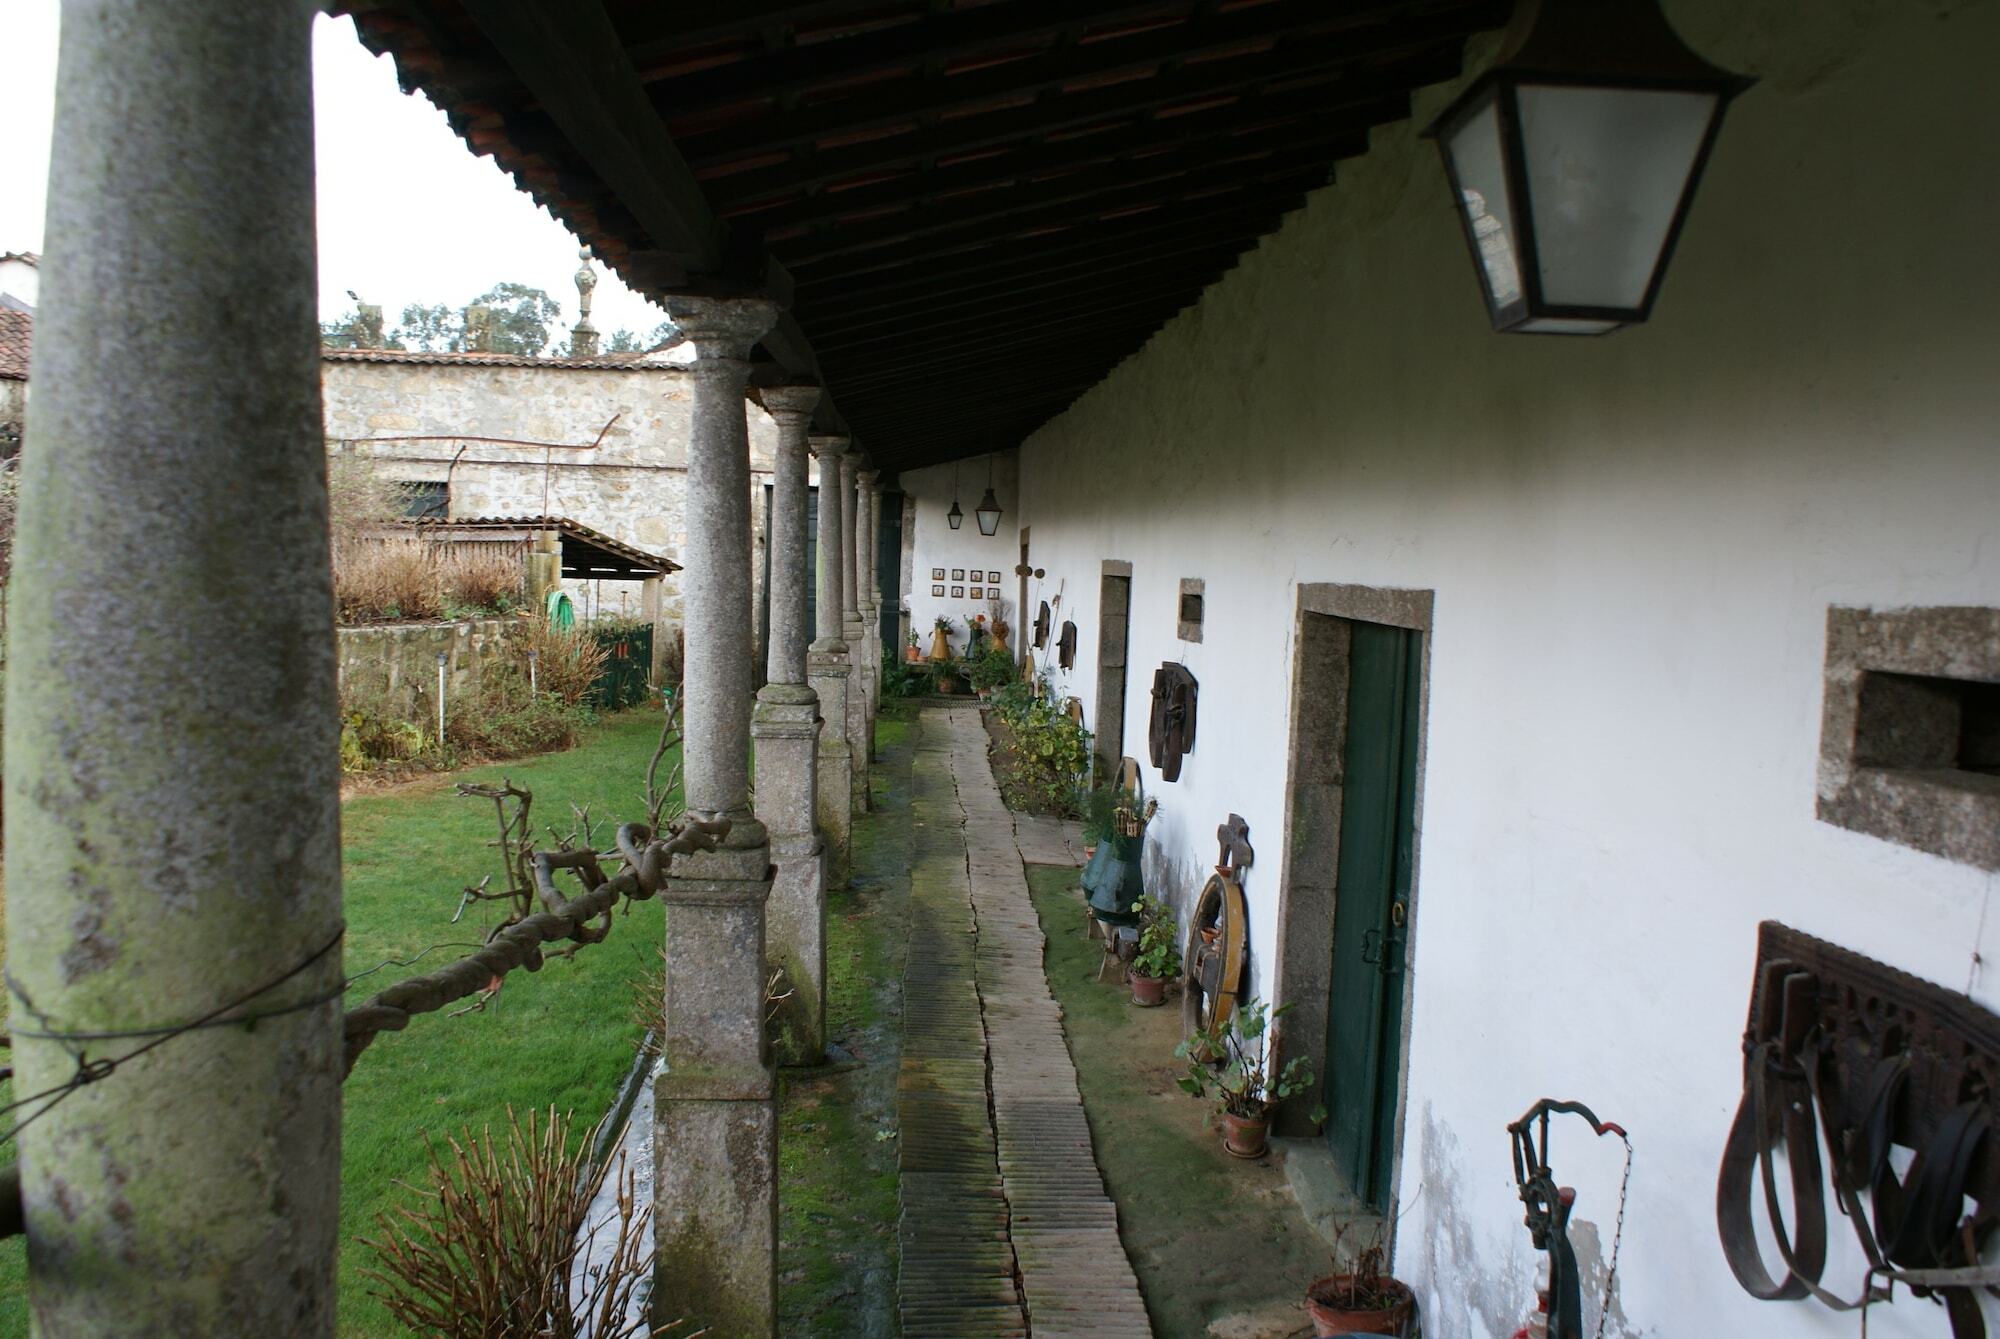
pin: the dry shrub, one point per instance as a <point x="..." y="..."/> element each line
<point x="491" y="1249"/>
<point x="358" y="499"/>
<point x="482" y="576"/>
<point x="567" y="660"/>
<point x="377" y="579"/>
<point x="504" y="721"/>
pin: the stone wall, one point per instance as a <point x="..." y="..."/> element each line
<point x="621" y="468"/>
<point x="402" y="657"/>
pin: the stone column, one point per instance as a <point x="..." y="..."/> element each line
<point x="829" y="669"/>
<point x="871" y="608"/>
<point x="172" y="781"/>
<point x="544" y="567"/>
<point x="852" y="631"/>
<point x="716" y="1142"/>
<point x="786" y="727"/>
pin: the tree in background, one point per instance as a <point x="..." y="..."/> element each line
<point x="359" y="328"/>
<point x="506" y="318"/>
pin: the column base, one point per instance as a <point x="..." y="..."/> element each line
<point x="795" y="944"/>
<point x="715" y="1218"/>
<point x="858" y="721"/>
<point x="830" y="671"/>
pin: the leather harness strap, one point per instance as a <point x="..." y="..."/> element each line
<point x="1916" y="1233"/>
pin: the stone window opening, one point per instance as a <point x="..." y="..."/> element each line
<point x="1190" y="610"/>
<point x="1910" y="729"/>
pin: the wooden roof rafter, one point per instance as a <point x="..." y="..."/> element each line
<point x="974" y="208"/>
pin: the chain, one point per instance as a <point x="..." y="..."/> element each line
<point x="1617" y="1237"/>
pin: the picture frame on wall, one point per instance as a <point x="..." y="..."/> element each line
<point x="937" y="592"/>
<point x="937" y="574"/>
<point x="958" y="574"/>
<point x="992" y="578"/>
<point x="978" y="593"/>
<point x="958" y="592"/>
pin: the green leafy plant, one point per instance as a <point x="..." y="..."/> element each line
<point x="900" y="678"/>
<point x="989" y="669"/>
<point x="1159" y="953"/>
<point x="1238" y="1083"/>
<point x="1097" y="806"/>
<point x="1050" y="751"/>
<point x="1011" y="699"/>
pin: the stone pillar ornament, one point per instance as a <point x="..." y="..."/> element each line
<point x="852" y="632"/>
<point x="716" y="1134"/>
<point x="583" y="336"/>
<point x="829" y="669"/>
<point x="172" y="783"/>
<point x="786" y="728"/>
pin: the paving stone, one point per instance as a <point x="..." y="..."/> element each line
<point x="1006" y="1228"/>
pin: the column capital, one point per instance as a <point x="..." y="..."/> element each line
<point x="827" y="446"/>
<point x="722" y="327"/>
<point x="791" y="405"/>
<point x="868" y="477"/>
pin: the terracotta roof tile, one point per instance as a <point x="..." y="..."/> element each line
<point x="17" y="330"/>
<point x="612" y="362"/>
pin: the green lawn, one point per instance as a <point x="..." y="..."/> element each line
<point x="561" y="1036"/>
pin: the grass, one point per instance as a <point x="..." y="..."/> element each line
<point x="561" y="1036"/>
<point x="837" y="1151"/>
<point x="1215" y="1241"/>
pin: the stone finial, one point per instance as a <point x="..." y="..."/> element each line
<point x="583" y="336"/>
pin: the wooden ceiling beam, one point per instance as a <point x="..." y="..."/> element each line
<point x="1151" y="185"/>
<point x="1189" y="92"/>
<point x="790" y="72"/>
<point x="1264" y="122"/>
<point x="1076" y="283"/>
<point x="1121" y="330"/>
<point x="1238" y="215"/>
<point x="1049" y="315"/>
<point x="1227" y="40"/>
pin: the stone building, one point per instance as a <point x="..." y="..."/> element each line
<point x="601" y="441"/>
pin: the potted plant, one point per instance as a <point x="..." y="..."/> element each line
<point x="1243" y="1091"/>
<point x="989" y="670"/>
<point x="1363" y="1300"/>
<point x="912" y="652"/>
<point x="941" y="638"/>
<point x="1098" y="808"/>
<point x="1158" y="960"/>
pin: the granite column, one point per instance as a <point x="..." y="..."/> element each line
<point x="715" y="1145"/>
<point x="829" y="669"/>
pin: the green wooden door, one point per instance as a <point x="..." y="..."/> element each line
<point x="1371" y="906"/>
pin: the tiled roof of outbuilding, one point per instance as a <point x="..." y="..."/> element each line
<point x="610" y="362"/>
<point x="17" y="329"/>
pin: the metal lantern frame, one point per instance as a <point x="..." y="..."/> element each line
<point x="956" y="516"/>
<point x="988" y="510"/>
<point x="1615" y="45"/>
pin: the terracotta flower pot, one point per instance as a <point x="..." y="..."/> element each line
<point x="1148" y="992"/>
<point x="1244" y="1136"/>
<point x="913" y="655"/>
<point x="1326" y="1306"/>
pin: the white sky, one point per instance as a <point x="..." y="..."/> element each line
<point x="406" y="212"/>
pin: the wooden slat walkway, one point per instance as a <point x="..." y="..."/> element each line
<point x="1006" y="1228"/>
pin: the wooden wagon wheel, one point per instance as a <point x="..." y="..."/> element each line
<point x="1218" y="943"/>
<point x="1217" y="957"/>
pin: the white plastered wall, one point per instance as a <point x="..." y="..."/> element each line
<point x="936" y="545"/>
<point x="1633" y="543"/>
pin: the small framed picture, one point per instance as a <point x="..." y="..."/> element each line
<point x="937" y="591"/>
<point x="978" y="593"/>
<point x="958" y="592"/>
<point x="992" y="576"/>
<point x="937" y="574"/>
<point x="958" y="574"/>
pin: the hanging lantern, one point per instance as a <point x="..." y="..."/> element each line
<point x="955" y="517"/>
<point x="988" y="510"/>
<point x="1574" y="160"/>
